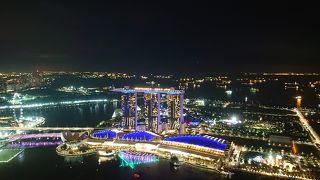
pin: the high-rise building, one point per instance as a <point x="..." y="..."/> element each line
<point x="129" y="108"/>
<point x="161" y="109"/>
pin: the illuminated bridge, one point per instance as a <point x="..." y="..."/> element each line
<point x="42" y="139"/>
<point x="33" y="144"/>
<point x="34" y="136"/>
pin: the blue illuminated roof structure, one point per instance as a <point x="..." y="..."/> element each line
<point x="204" y="141"/>
<point x="139" y="135"/>
<point x="106" y="134"/>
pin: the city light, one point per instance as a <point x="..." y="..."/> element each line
<point x="229" y="92"/>
<point x="200" y="102"/>
<point x="203" y="116"/>
<point x="233" y="121"/>
<point x="178" y="90"/>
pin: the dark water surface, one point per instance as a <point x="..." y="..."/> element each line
<point x="44" y="163"/>
<point x="83" y="115"/>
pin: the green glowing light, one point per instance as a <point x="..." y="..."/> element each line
<point x="6" y="155"/>
<point x="130" y="161"/>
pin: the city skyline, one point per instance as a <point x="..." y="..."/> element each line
<point x="159" y="90"/>
<point x="121" y="125"/>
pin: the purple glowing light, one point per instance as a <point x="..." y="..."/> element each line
<point x="34" y="144"/>
<point x="34" y="136"/>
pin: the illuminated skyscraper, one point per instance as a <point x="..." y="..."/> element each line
<point x="162" y="109"/>
<point x="152" y="111"/>
<point x="129" y="108"/>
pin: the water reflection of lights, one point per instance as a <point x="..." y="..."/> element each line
<point x="21" y="157"/>
<point x="73" y="160"/>
<point x="53" y="104"/>
<point x="105" y="159"/>
<point x="299" y="99"/>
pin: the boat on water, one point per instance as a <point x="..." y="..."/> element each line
<point x="106" y="153"/>
<point x="103" y="159"/>
<point x="174" y="161"/>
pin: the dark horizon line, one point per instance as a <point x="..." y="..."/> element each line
<point x="164" y="73"/>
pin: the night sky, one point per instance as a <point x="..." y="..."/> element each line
<point x="159" y="37"/>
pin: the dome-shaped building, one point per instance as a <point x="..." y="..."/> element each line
<point x="73" y="137"/>
<point x="73" y="144"/>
